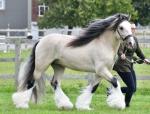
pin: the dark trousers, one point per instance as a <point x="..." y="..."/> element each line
<point x="129" y="78"/>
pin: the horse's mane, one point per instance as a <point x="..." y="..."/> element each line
<point x="97" y="28"/>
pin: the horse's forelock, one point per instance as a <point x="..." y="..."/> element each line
<point x="120" y="18"/>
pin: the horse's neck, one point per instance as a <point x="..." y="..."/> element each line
<point x="111" y="41"/>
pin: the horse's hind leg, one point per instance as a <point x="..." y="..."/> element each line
<point x="84" y="100"/>
<point x="61" y="100"/>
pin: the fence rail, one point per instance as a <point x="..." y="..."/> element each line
<point x="17" y="59"/>
<point x="23" y="33"/>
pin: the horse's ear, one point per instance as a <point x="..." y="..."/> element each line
<point x="126" y="17"/>
<point x="118" y="15"/>
<point x="129" y="16"/>
<point x="122" y="16"/>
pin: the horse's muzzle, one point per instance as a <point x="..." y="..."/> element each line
<point x="130" y="41"/>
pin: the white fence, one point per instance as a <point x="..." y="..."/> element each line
<point x="22" y="33"/>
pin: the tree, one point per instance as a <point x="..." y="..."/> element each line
<point x="68" y="12"/>
<point x="143" y="8"/>
<point x="74" y="13"/>
<point x="109" y="7"/>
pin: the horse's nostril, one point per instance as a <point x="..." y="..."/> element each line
<point x="130" y="43"/>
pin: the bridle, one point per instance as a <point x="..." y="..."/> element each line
<point x="119" y="32"/>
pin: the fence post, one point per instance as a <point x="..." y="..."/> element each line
<point x="17" y="58"/>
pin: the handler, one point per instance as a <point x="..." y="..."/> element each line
<point x="124" y="67"/>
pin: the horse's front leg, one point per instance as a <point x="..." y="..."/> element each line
<point x="84" y="100"/>
<point x="116" y="98"/>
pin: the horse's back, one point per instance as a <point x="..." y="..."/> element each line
<point x="58" y="36"/>
<point x="49" y="46"/>
<point x="55" y="39"/>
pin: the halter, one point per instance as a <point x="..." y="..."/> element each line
<point x="116" y="28"/>
<point x="127" y="37"/>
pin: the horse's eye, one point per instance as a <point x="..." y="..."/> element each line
<point x="121" y="28"/>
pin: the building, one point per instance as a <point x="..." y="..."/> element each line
<point x="18" y="14"/>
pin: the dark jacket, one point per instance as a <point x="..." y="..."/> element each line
<point x="125" y="65"/>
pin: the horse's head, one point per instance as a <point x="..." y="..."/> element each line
<point x="117" y="22"/>
<point x="124" y="31"/>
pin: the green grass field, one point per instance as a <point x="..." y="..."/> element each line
<point x="140" y="102"/>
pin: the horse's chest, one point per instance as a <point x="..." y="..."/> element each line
<point x="106" y="59"/>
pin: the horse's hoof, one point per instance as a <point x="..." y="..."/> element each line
<point x="23" y="106"/>
<point x="65" y="106"/>
<point x="84" y="108"/>
<point x="88" y="109"/>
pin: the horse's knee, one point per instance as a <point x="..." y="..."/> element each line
<point x="54" y="83"/>
<point x="114" y="82"/>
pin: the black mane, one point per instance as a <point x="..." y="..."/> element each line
<point x="97" y="28"/>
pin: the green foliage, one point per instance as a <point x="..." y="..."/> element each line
<point x="143" y="8"/>
<point x="68" y="12"/>
<point x="109" y="7"/>
<point x="74" y="13"/>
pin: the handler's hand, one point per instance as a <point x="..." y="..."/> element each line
<point x="123" y="56"/>
<point x="146" y="61"/>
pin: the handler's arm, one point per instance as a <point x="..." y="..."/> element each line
<point x="121" y="49"/>
<point x="140" y="54"/>
<point x="139" y="51"/>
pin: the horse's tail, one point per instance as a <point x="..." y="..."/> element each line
<point x="26" y="79"/>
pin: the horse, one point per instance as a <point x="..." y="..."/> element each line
<point x="94" y="51"/>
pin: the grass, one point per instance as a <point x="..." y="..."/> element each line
<point x="140" y="102"/>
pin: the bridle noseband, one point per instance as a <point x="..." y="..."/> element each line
<point x="127" y="37"/>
